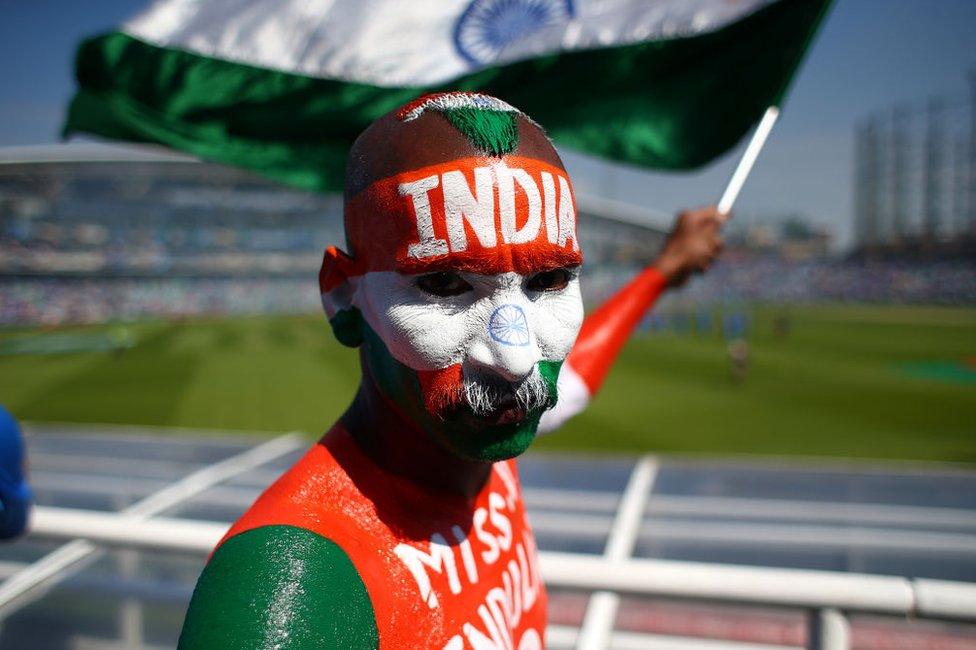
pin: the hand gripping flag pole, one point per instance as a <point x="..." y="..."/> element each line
<point x="748" y="159"/>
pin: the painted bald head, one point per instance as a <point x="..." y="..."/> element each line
<point x="461" y="278"/>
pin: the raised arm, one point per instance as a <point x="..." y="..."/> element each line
<point x="691" y="247"/>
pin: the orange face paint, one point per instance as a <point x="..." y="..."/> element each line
<point x="484" y="215"/>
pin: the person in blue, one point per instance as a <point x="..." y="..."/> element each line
<point x="15" y="494"/>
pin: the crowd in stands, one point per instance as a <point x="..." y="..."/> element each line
<point x="94" y="248"/>
<point x="751" y="279"/>
<point x="55" y="300"/>
<point x="84" y="243"/>
<point x="828" y="280"/>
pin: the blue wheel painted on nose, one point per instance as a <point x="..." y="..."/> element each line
<point x="509" y="326"/>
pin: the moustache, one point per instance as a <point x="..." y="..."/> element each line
<point x="492" y="397"/>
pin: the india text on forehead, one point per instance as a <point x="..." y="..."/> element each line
<point x="461" y="204"/>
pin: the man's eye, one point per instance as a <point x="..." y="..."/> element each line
<point x="443" y="284"/>
<point x="554" y="280"/>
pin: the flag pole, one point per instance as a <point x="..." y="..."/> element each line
<point x="747" y="161"/>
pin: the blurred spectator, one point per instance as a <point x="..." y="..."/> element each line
<point x="15" y="494"/>
<point x="739" y="359"/>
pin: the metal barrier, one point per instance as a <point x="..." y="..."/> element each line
<point x="828" y="596"/>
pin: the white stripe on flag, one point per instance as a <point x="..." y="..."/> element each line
<point x="392" y="43"/>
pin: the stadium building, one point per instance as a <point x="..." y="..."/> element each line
<point x="915" y="180"/>
<point x="92" y="233"/>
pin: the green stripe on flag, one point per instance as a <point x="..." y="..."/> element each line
<point x="670" y="104"/>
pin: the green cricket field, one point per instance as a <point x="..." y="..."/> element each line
<point x="892" y="382"/>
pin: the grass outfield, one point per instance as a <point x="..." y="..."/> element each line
<point x="878" y="382"/>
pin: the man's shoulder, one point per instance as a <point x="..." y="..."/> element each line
<point x="280" y="586"/>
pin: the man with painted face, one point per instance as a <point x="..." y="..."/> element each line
<point x="404" y="526"/>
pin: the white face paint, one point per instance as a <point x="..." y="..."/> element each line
<point x="501" y="325"/>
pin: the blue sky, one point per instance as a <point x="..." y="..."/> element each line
<point x="870" y="54"/>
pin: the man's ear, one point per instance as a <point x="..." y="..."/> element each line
<point x="337" y="286"/>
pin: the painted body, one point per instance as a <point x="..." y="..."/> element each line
<point x="404" y="527"/>
<point x="429" y="570"/>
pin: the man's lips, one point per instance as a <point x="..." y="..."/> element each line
<point x="508" y="411"/>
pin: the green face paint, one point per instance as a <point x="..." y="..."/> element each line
<point x="463" y="434"/>
<point x="347" y="325"/>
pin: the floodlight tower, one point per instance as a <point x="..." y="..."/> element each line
<point x="866" y="183"/>
<point x="898" y="225"/>
<point x="857" y="204"/>
<point x="971" y="211"/>
<point x="860" y="180"/>
<point x="960" y="187"/>
<point x="933" y="168"/>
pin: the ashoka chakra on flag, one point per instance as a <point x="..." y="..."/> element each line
<point x="488" y="27"/>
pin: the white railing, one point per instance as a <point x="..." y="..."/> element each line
<point x="828" y="596"/>
<point x="30" y="580"/>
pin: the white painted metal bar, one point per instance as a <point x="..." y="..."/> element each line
<point x="601" y="610"/>
<point x="112" y="529"/>
<point x="828" y="629"/>
<point x="748" y="159"/>
<point x="944" y="599"/>
<point x="797" y="588"/>
<point x="802" y="589"/>
<point x="16" y="590"/>
<point x="130" y="615"/>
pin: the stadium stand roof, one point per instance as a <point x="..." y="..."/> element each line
<point x="98" y="152"/>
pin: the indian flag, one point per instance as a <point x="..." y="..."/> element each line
<point x="283" y="87"/>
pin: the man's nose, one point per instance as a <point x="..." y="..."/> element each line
<point x="508" y="345"/>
